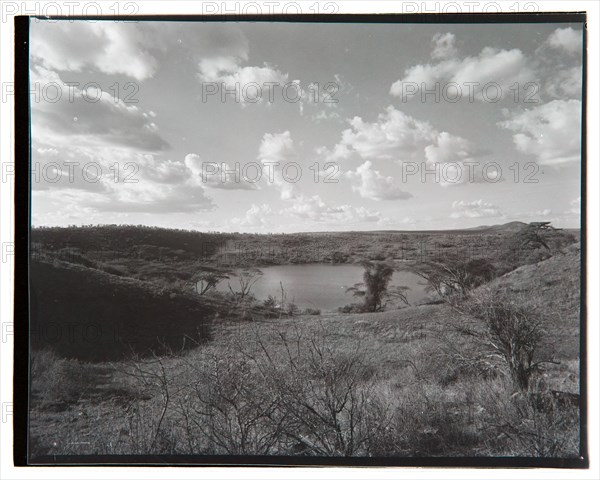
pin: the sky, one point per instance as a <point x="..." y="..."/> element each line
<point x="290" y="127"/>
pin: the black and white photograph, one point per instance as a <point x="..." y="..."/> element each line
<point x="306" y="242"/>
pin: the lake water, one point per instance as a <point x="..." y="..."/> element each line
<point x="321" y="286"/>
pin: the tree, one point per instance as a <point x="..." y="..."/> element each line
<point x="534" y="242"/>
<point x="532" y="235"/>
<point x="451" y="276"/>
<point x="512" y="331"/>
<point x="205" y="281"/>
<point x="374" y="289"/>
<point x="247" y="279"/>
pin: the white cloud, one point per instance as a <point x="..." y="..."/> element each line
<point x="565" y="83"/>
<point x="474" y="209"/>
<point x="140" y="194"/>
<point x="443" y="46"/>
<point x="315" y="209"/>
<point x="546" y="212"/>
<point x="492" y="65"/>
<point x="551" y="132"/>
<point x="89" y="117"/>
<point x="69" y="169"/>
<point x="449" y="148"/>
<point x="325" y="115"/>
<point x="339" y="152"/>
<point x="575" y="206"/>
<point x="110" y="47"/>
<point x="567" y="39"/>
<point x="217" y="175"/>
<point x="154" y="198"/>
<point x="116" y="180"/>
<point x="373" y="185"/>
<point x="275" y="152"/>
<point x="134" y="49"/>
<point x="400" y="137"/>
<point x="155" y="169"/>
<point x="256" y="216"/>
<point x="458" y="161"/>
<point x="249" y="82"/>
<point x="394" y="136"/>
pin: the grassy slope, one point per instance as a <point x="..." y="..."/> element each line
<point x="91" y="315"/>
<point x="406" y="349"/>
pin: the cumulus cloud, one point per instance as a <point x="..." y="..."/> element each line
<point x="275" y="152"/>
<point x="566" y="39"/>
<point x="575" y="206"/>
<point x="449" y="148"/>
<point x="117" y="180"/>
<point x="217" y="175"/>
<point x="160" y="170"/>
<point x="400" y="137"/>
<point x="394" y="136"/>
<point x="325" y="115"/>
<point x="565" y="83"/>
<point x="443" y="46"/>
<point x="229" y="71"/>
<point x="315" y="209"/>
<point x="154" y="198"/>
<point x="247" y="81"/>
<point x="256" y="216"/>
<point x="558" y="60"/>
<point x="338" y="153"/>
<point x="90" y="117"/>
<point x="69" y="169"/>
<point x="128" y="48"/>
<point x="550" y="132"/>
<point x="474" y="209"/>
<point x="533" y="214"/>
<point x="371" y="184"/>
<point x="141" y="196"/>
<point x="492" y="65"/>
<point x="457" y="161"/>
<point x="111" y="47"/>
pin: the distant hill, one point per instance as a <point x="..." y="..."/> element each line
<point x="505" y="227"/>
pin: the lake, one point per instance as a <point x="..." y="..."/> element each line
<point x="320" y="285"/>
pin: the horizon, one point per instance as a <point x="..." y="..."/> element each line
<point x="171" y="124"/>
<point x="217" y="232"/>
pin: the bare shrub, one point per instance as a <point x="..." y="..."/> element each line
<point x="246" y="279"/>
<point x="206" y="281"/>
<point x="511" y="330"/>
<point x="512" y="424"/>
<point x="58" y="382"/>
<point x="294" y="393"/>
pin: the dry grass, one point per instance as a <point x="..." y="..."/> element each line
<point x="405" y="382"/>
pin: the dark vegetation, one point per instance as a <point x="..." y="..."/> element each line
<point x="489" y="366"/>
<point x="375" y="291"/>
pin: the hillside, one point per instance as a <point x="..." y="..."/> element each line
<point x="420" y="393"/>
<point x="91" y="315"/>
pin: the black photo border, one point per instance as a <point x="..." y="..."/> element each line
<point x="22" y="201"/>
